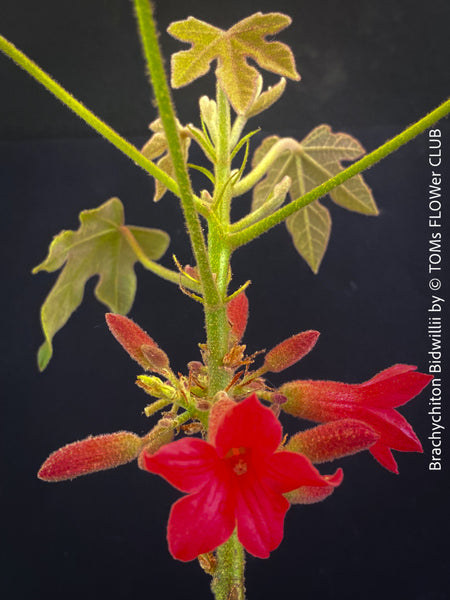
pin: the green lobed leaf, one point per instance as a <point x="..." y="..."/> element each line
<point x="310" y="231"/>
<point x="322" y="154"/>
<point x="232" y="48"/>
<point x="98" y="247"/>
<point x="157" y="146"/>
<point x="309" y="163"/>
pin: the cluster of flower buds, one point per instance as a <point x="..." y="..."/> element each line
<point x="243" y="463"/>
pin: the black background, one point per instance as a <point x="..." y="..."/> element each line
<point x="368" y="69"/>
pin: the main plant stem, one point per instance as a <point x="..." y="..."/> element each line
<point x="228" y="581"/>
<point x="219" y="252"/>
<point x="213" y="259"/>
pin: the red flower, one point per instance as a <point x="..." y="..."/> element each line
<point x="236" y="480"/>
<point x="372" y="402"/>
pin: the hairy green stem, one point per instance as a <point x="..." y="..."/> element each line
<point x="250" y="180"/>
<point x="228" y="581"/>
<point x="84" y="113"/>
<point x="219" y="250"/>
<point x="147" y="30"/>
<point x="247" y="235"/>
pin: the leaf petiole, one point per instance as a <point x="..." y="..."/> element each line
<point x="155" y="267"/>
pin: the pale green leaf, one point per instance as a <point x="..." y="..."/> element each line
<point x="310" y="230"/>
<point x="232" y="49"/>
<point x="98" y="247"/>
<point x="309" y="163"/>
<point x="157" y="147"/>
<point x="323" y="152"/>
<point x="264" y="100"/>
<point x="279" y="169"/>
<point x="208" y="112"/>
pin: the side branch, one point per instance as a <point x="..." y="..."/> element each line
<point x="247" y="235"/>
<point x="84" y="113"/>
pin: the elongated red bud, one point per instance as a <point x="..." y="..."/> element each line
<point x="131" y="337"/>
<point x="333" y="440"/>
<point x="157" y="438"/>
<point x="90" y="455"/>
<point x="237" y="313"/>
<point x="157" y="359"/>
<point x="290" y="351"/>
<point x="222" y="405"/>
<point x="309" y="494"/>
<point x="192" y="272"/>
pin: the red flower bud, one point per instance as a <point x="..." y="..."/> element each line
<point x="222" y="405"/>
<point x="310" y="494"/>
<point x="290" y="351"/>
<point x="132" y="338"/>
<point x="333" y="440"/>
<point x="156" y="439"/>
<point x="91" y="454"/>
<point x="157" y="359"/>
<point x="237" y="313"/>
<point x="192" y="272"/>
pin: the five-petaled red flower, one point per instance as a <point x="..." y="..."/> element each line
<point x="372" y="402"/>
<point x="235" y="481"/>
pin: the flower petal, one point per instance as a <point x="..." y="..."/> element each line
<point x="395" y="431"/>
<point x="383" y="455"/>
<point x="260" y="515"/>
<point x="287" y="471"/>
<point x="397" y="369"/>
<point x="200" y="522"/>
<point x="249" y="424"/>
<point x="187" y="464"/>
<point x="393" y="387"/>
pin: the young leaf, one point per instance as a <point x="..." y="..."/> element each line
<point x="313" y="161"/>
<point x="232" y="48"/>
<point x="98" y="247"/>
<point x="208" y="112"/>
<point x="157" y="146"/>
<point x="264" y="100"/>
